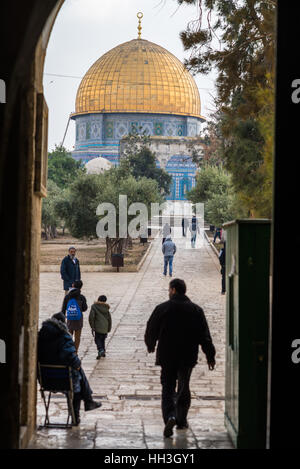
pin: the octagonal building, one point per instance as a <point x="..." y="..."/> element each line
<point x="140" y="87"/>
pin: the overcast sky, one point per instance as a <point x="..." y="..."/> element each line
<point x="85" y="29"/>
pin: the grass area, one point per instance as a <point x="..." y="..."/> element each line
<point x="88" y="253"/>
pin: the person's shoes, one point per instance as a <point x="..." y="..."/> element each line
<point x="164" y="275"/>
<point x="182" y="427"/>
<point x="91" y="405"/>
<point x="77" y="421"/>
<point x="76" y="407"/>
<point x="223" y="292"/>
<point x="170" y="275"/>
<point x="101" y="353"/>
<point x="168" y="431"/>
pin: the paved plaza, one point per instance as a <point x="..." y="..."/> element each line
<point x="127" y="381"/>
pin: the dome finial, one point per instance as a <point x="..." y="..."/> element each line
<point x="140" y="16"/>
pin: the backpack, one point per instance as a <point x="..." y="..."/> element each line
<point x="73" y="311"/>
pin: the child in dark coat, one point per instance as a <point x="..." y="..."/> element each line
<point x="100" y="322"/>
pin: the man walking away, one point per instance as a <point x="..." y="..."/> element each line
<point x="70" y="269"/>
<point x="168" y="249"/>
<point x="184" y="225"/>
<point x="100" y="322"/>
<point x="217" y="234"/>
<point x="179" y="327"/>
<point x="166" y="231"/>
<point x="194" y="229"/>
<point x="74" y="305"/>
<point x="222" y="260"/>
<point x="56" y="347"/>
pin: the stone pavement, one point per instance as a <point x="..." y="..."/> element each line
<point x="126" y="381"/>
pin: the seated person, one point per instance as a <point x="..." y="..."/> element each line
<point x="56" y="347"/>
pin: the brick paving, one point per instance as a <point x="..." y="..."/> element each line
<point x="127" y="381"/>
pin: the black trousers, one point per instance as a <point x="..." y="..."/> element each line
<point x="176" y="402"/>
<point x="223" y="278"/>
<point x="100" y="341"/>
<point x="85" y="393"/>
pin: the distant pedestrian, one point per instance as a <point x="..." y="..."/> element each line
<point x="166" y="231"/>
<point x="100" y="322"/>
<point x="70" y="269"/>
<point x="222" y="260"/>
<point x="178" y="327"/>
<point x="184" y="224"/>
<point x="74" y="305"/>
<point x="194" y="229"/>
<point x="218" y="234"/>
<point x="168" y="249"/>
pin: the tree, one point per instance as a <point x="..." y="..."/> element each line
<point x="137" y="159"/>
<point x="88" y="191"/>
<point x="50" y="219"/>
<point x="210" y="180"/>
<point x="79" y="206"/>
<point x="62" y="168"/>
<point x="214" y="188"/>
<point x="239" y="44"/>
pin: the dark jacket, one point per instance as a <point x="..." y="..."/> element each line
<point x="168" y="247"/>
<point x="194" y="226"/>
<point x="100" y="318"/>
<point x="56" y="347"/>
<point x="81" y="300"/>
<point x="179" y="326"/>
<point x="222" y="256"/>
<point x="70" y="271"/>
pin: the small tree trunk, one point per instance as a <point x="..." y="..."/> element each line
<point x="46" y="232"/>
<point x="108" y="250"/>
<point x="53" y="231"/>
<point x="129" y="242"/>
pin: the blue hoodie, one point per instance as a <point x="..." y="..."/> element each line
<point x="169" y="248"/>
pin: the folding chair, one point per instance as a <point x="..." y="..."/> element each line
<point x="53" y="379"/>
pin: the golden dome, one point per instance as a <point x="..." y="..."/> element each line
<point x="138" y="76"/>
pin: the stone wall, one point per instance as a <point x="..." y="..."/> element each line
<point x="26" y="29"/>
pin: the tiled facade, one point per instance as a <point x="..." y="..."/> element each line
<point x="99" y="134"/>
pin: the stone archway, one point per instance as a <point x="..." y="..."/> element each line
<point x="23" y="142"/>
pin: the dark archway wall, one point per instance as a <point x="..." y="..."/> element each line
<point x="24" y="34"/>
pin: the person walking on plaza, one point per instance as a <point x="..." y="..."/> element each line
<point x="217" y="234"/>
<point x="166" y="231"/>
<point x="178" y="327"/>
<point x="194" y="229"/>
<point x="100" y="322"/>
<point x="74" y="305"/>
<point x="168" y="249"/>
<point x="70" y="269"/>
<point x="222" y="260"/>
<point x="184" y="225"/>
<point x="56" y="347"/>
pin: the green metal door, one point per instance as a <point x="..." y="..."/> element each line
<point x="247" y="325"/>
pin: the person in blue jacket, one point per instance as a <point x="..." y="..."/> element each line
<point x="70" y="269"/>
<point x="56" y="347"/>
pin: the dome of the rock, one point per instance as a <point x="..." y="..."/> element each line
<point x="138" y="87"/>
<point x="138" y="76"/>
